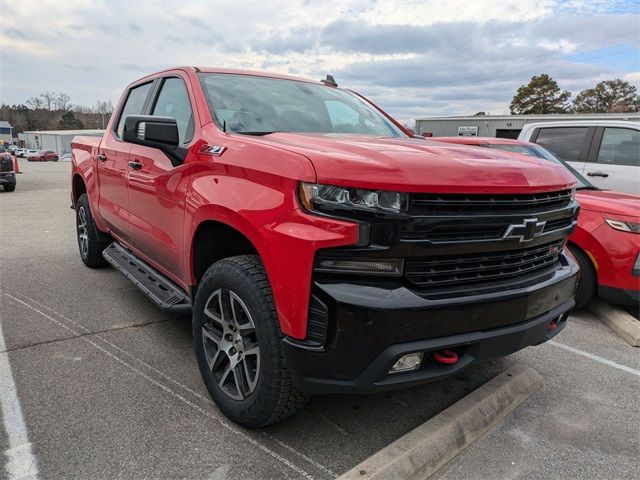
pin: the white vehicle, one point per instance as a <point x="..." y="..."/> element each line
<point x="30" y="153"/>
<point x="605" y="151"/>
<point x="20" y="152"/>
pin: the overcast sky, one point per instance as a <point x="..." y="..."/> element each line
<point x="414" y="59"/>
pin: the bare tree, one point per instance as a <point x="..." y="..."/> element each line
<point x="81" y="109"/>
<point x="62" y="101"/>
<point x="34" y="103"/>
<point x="48" y="98"/>
<point x="104" y="109"/>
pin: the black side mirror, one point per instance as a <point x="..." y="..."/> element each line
<point x="155" y="132"/>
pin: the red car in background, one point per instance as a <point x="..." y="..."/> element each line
<point x="43" y="156"/>
<point x="606" y="242"/>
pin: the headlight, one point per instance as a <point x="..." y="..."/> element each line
<point x="624" y="226"/>
<point x="314" y="196"/>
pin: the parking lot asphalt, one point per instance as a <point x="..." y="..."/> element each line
<point x="108" y="385"/>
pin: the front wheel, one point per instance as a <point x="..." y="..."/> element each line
<point x="588" y="281"/>
<point x="238" y="344"/>
<point x="55" y="159"/>
<point x="9" y="188"/>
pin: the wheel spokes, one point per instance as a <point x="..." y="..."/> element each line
<point x="230" y="342"/>
<point x="83" y="236"/>
<point x="240" y="314"/>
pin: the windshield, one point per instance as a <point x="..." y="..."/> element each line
<point x="541" y="152"/>
<point x="261" y="105"/>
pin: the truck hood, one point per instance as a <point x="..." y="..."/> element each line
<point x="604" y="201"/>
<point x="405" y="164"/>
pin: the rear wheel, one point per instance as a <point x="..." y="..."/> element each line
<point x="91" y="242"/>
<point x="9" y="188"/>
<point x="55" y="159"/>
<point x="588" y="280"/>
<point x="238" y="344"/>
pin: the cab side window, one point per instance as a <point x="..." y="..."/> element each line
<point x="173" y="101"/>
<point x="620" y="146"/>
<point x="565" y="142"/>
<point x="133" y="105"/>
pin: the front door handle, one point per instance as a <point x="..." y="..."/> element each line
<point x="102" y="157"/>
<point x="135" y="164"/>
<point x="597" y="174"/>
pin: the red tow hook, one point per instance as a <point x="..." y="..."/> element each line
<point x="445" y="356"/>
<point x="553" y="325"/>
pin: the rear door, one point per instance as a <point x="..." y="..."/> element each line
<point x="157" y="187"/>
<point x="112" y="165"/>
<point x="614" y="159"/>
<point x="570" y="144"/>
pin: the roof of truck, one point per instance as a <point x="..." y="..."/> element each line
<point x="232" y="71"/>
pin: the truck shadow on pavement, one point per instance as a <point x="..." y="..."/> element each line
<point x="337" y="431"/>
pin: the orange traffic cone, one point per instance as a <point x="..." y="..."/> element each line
<point x="16" y="165"/>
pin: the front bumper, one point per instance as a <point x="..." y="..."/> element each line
<point x="8" y="178"/>
<point x="371" y="327"/>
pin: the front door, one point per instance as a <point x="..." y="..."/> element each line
<point x="112" y="166"/>
<point x="157" y="188"/>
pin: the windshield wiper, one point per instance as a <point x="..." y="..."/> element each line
<point x="258" y="134"/>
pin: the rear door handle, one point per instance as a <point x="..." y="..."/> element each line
<point x="102" y="157"/>
<point x="135" y="164"/>
<point x="597" y="174"/>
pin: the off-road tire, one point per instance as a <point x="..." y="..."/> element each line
<point x="588" y="279"/>
<point x="275" y="397"/>
<point x="96" y="241"/>
<point x="9" y="188"/>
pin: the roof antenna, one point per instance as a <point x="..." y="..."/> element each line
<point x="329" y="81"/>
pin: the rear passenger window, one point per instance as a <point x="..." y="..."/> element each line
<point x="133" y="105"/>
<point x="565" y="142"/>
<point x="173" y="102"/>
<point x="620" y="146"/>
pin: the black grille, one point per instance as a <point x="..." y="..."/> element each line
<point x="450" y="270"/>
<point x="452" y="233"/>
<point x="433" y="204"/>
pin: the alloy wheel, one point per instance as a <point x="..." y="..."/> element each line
<point x="83" y="232"/>
<point x="230" y="344"/>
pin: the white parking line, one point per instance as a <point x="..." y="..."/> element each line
<point x="177" y="383"/>
<point x="591" y="356"/>
<point x="21" y="463"/>
<point x="176" y="395"/>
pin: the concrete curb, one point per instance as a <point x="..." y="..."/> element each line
<point x="424" y="450"/>
<point x="619" y="321"/>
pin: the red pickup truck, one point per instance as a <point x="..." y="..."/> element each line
<point x="319" y="246"/>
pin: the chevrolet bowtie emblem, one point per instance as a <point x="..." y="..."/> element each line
<point x="525" y="232"/>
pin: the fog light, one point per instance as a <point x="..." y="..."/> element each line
<point x="407" y="363"/>
<point x="636" y="267"/>
<point x="389" y="267"/>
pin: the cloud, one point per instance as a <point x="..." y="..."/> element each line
<point x="413" y="58"/>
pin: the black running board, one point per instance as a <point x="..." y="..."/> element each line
<point x="160" y="290"/>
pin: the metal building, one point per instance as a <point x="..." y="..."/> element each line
<point x="57" y="140"/>
<point x="6" y="132"/>
<point x="503" y="126"/>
